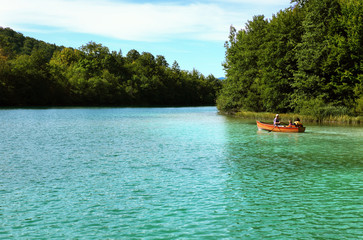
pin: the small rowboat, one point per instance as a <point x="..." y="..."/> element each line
<point x="270" y="127"/>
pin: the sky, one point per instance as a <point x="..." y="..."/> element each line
<point x="192" y="33"/>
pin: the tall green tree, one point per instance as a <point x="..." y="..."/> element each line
<point x="315" y="69"/>
<point x="307" y="56"/>
<point x="278" y="62"/>
<point x="241" y="88"/>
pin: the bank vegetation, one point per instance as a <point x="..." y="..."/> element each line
<point x="307" y="60"/>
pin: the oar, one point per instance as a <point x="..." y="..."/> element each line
<point x="272" y="129"/>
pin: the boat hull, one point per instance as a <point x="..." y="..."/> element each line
<point x="272" y="128"/>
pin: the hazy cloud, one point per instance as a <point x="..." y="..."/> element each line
<point x="125" y="20"/>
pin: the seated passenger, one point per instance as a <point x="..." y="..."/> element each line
<point x="297" y="123"/>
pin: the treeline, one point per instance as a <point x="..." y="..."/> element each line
<point x="35" y="73"/>
<point x="307" y="59"/>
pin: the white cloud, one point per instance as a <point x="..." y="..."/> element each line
<point x="127" y="21"/>
<point x="144" y="22"/>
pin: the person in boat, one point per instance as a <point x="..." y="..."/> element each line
<point x="276" y="120"/>
<point x="297" y="122"/>
<point x="290" y="124"/>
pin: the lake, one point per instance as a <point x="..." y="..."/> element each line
<point x="175" y="173"/>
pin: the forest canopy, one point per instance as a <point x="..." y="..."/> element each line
<point x="35" y="73"/>
<point x="305" y="59"/>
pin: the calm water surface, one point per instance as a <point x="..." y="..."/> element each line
<point x="174" y="173"/>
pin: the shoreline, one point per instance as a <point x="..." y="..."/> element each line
<point x="285" y="117"/>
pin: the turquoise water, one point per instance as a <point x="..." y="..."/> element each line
<point x="174" y="173"/>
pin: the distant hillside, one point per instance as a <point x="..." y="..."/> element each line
<point x="13" y="44"/>
<point x="35" y="73"/>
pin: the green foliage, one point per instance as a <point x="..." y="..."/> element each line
<point x="35" y="73"/>
<point x="243" y="67"/>
<point x="307" y="56"/>
<point x="317" y="109"/>
<point x="359" y="107"/>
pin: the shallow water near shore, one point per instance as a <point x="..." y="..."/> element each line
<point x="174" y="173"/>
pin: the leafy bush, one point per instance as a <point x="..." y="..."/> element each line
<point x="320" y="111"/>
<point x="359" y="108"/>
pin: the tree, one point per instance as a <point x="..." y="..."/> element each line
<point x="241" y="88"/>
<point x="326" y="61"/>
<point x="278" y="62"/>
<point x="306" y="54"/>
<point x="33" y="72"/>
<point x="132" y="55"/>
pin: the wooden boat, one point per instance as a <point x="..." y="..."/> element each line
<point x="280" y="128"/>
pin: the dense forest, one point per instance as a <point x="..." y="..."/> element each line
<point x="306" y="59"/>
<point x="35" y="73"/>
